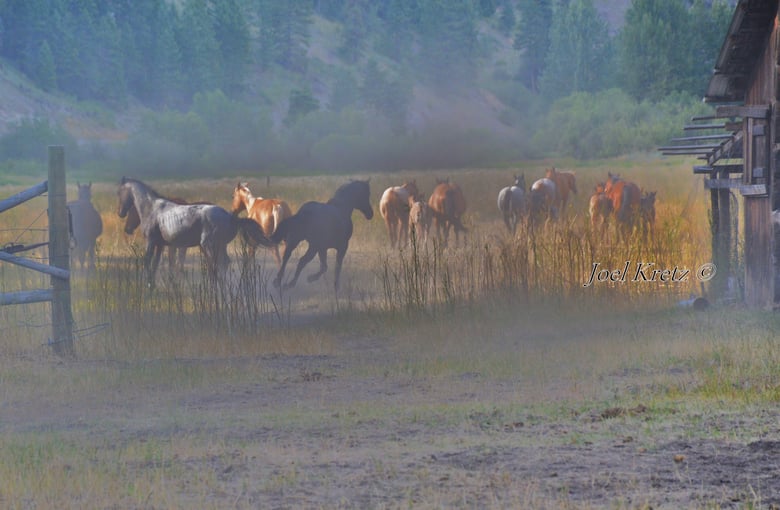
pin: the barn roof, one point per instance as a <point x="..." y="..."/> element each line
<point x="748" y="33"/>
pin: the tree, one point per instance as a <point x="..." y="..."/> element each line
<point x="653" y="49"/>
<point x="284" y="32"/>
<point x="45" y="74"/>
<point x="232" y="34"/>
<point x="302" y="102"/>
<point x="354" y="30"/>
<point x="533" y="40"/>
<point x="448" y="53"/>
<point x="201" y="63"/>
<point x="580" y="51"/>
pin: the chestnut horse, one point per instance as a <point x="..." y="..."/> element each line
<point x="419" y="219"/>
<point x="626" y="199"/>
<point x="447" y="205"/>
<point x="565" y="183"/>
<point x="394" y="208"/>
<point x="600" y="207"/>
<point x="267" y="212"/>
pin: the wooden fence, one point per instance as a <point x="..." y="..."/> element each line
<point x="59" y="258"/>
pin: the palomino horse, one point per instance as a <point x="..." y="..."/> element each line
<point x="394" y="208"/>
<point x="543" y="200"/>
<point x="565" y="183"/>
<point x="419" y="219"/>
<point x="626" y="198"/>
<point x="447" y="205"/>
<point x="600" y="207"/>
<point x="267" y="212"/>
<point x="647" y="212"/>
<point x="166" y="223"/>
<point x="512" y="203"/>
<point x="322" y="226"/>
<point x="86" y="225"/>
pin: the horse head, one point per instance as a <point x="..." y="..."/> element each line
<point x="411" y="188"/>
<point x="125" y="194"/>
<point x="241" y="196"/>
<point x="84" y="191"/>
<point x="363" y="199"/>
<point x="520" y="181"/>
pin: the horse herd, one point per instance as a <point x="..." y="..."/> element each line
<point x="176" y="224"/>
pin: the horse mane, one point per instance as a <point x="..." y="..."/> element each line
<point x="151" y="190"/>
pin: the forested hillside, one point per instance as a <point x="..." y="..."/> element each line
<point x="200" y="86"/>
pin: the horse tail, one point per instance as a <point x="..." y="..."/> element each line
<point x="278" y="214"/>
<point x="251" y="231"/>
<point x="283" y="228"/>
<point x="505" y="200"/>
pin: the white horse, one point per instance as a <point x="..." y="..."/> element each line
<point x="86" y="226"/>
<point x="512" y="203"/>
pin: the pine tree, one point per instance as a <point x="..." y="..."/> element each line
<point x="580" y="52"/>
<point x="533" y="40"/>
<point x="199" y="48"/>
<point x="45" y="74"/>
<point x="231" y="30"/>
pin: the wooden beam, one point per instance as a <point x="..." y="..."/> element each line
<point x="702" y="137"/>
<point x="752" y="111"/>
<point x="62" y="274"/>
<point x="25" y="297"/>
<point x="722" y="183"/>
<point x="753" y="190"/>
<point x="24" y="196"/>
<point x="691" y="127"/>
<point x="690" y="147"/>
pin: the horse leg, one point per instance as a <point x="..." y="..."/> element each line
<point x="390" y="222"/>
<point x="152" y="260"/>
<point x="323" y="253"/>
<point x="310" y="253"/>
<point x="337" y="270"/>
<point x="289" y="246"/>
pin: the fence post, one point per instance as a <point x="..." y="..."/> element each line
<point x="59" y="256"/>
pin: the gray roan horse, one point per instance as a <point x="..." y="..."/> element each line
<point x="323" y="226"/>
<point x="86" y="225"/>
<point x="512" y="203"/>
<point x="166" y="223"/>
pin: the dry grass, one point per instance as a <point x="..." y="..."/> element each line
<point x="457" y="376"/>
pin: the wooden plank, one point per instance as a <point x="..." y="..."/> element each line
<point x="692" y="127"/>
<point x="26" y="297"/>
<point x="722" y="183"/>
<point x="56" y="272"/>
<point x="752" y="111"/>
<point x="24" y="196"/>
<point x="689" y="147"/>
<point x="701" y="137"/>
<point x="753" y="190"/>
<point x="707" y="169"/>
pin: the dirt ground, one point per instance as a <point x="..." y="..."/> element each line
<point x="325" y="431"/>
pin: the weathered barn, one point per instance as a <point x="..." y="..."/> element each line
<point x="744" y="159"/>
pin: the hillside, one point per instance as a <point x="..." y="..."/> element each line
<point x="477" y="107"/>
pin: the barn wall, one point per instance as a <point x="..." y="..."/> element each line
<point x="759" y="232"/>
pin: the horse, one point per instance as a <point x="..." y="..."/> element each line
<point x="565" y="183"/>
<point x="543" y="199"/>
<point x="394" y="208"/>
<point x="447" y="205"/>
<point x="625" y="197"/>
<point x="322" y="226"/>
<point x="600" y="207"/>
<point x="86" y="226"/>
<point x="267" y="212"/>
<point x="176" y="256"/>
<point x="166" y="223"/>
<point x="419" y="219"/>
<point x="512" y="203"/>
<point x="647" y="212"/>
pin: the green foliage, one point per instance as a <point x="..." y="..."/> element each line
<point x="29" y="138"/>
<point x="580" y="55"/>
<point x="533" y="39"/>
<point x="610" y="123"/>
<point x="302" y="103"/>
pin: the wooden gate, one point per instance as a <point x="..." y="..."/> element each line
<point x="59" y="258"/>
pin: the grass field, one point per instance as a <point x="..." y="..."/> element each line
<point x="484" y="375"/>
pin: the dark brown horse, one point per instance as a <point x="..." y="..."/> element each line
<point x="394" y="208"/>
<point x="447" y="205"/>
<point x="267" y="212"/>
<point x="166" y="223"/>
<point x="323" y="226"/>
